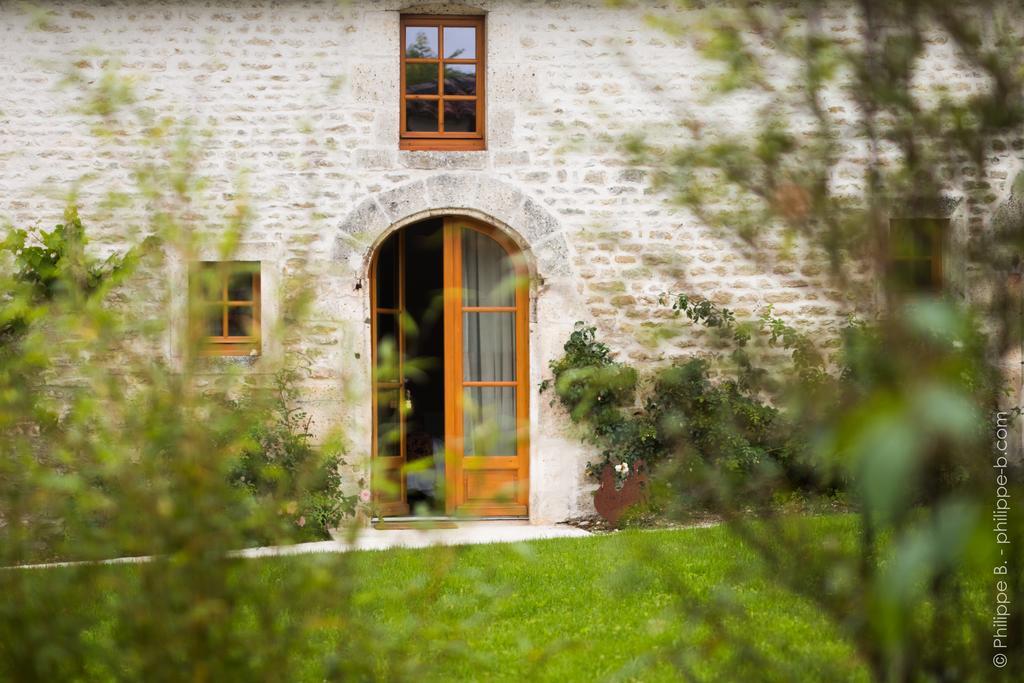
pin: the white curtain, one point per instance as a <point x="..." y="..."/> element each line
<point x="488" y="278"/>
<point x="488" y="346"/>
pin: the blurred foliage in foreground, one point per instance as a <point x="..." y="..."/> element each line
<point x="903" y="427"/>
<point x="94" y="428"/>
<point x="108" y="451"/>
<point x="112" y="446"/>
<point x="832" y="132"/>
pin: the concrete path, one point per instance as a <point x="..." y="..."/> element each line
<point x="467" y="533"/>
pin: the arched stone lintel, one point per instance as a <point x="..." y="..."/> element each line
<point x="524" y="219"/>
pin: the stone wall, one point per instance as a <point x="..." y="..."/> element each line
<point x="301" y="99"/>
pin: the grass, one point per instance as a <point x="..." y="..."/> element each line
<point x="621" y="606"/>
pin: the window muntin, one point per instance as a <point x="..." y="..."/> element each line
<point x="915" y="254"/>
<point x="226" y="301"/>
<point x="442" y="89"/>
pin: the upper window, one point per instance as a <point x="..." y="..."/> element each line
<point x="915" y="254"/>
<point x="442" y="83"/>
<point x="227" y="300"/>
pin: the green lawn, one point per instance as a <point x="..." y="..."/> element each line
<point x="609" y="607"/>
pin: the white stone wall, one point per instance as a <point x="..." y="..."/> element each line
<point x="301" y="98"/>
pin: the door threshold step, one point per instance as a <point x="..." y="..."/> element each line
<point x="442" y="521"/>
<point x="415" y="524"/>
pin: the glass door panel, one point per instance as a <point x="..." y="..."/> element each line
<point x="488" y="275"/>
<point x="489" y="420"/>
<point x="489" y="346"/>
<point x="389" y="410"/>
<point x="389" y="425"/>
<point x="486" y="371"/>
<point x="388" y="365"/>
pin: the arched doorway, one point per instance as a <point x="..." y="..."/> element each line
<point x="450" y="302"/>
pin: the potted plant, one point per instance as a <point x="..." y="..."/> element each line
<point x="622" y="485"/>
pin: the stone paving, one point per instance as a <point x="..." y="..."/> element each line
<point x="465" y="533"/>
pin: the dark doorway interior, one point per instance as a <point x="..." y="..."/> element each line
<point x="424" y="367"/>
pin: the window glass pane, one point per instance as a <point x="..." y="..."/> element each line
<point x="240" y="286"/>
<point x="488" y="278"/>
<point x="913" y="276"/>
<point x="421" y="41"/>
<point x="489" y="347"/>
<point x="388" y="431"/>
<point x="916" y="237"/>
<point x="421" y="115"/>
<point x="213" y="320"/>
<point x="459" y="79"/>
<point x="208" y="282"/>
<point x="909" y="239"/>
<point x="421" y="79"/>
<point x="387" y="347"/>
<point x="240" y="321"/>
<point x="387" y="273"/>
<point x="460" y="117"/>
<point x="915" y="252"/>
<point x="489" y="420"/>
<point x="460" y="42"/>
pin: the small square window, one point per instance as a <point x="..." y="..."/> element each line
<point x="225" y="299"/>
<point x="915" y="254"/>
<point x="442" y="71"/>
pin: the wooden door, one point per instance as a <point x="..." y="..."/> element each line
<point x="486" y="371"/>
<point x="387" y="304"/>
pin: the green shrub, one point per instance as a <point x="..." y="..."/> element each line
<point x="282" y="469"/>
<point x="597" y="391"/>
<point x="725" y="425"/>
<point x="127" y="455"/>
<point x="693" y="407"/>
<point x="282" y="487"/>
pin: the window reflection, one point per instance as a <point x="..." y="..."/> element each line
<point x="421" y="42"/>
<point x="459" y="79"/>
<point x="459" y="42"/>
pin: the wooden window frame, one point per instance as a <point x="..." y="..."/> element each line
<point x="226" y="344"/>
<point x="937" y="228"/>
<point x="440" y="140"/>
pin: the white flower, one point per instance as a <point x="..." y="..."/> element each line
<point x="53" y="255"/>
<point x="18" y="253"/>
